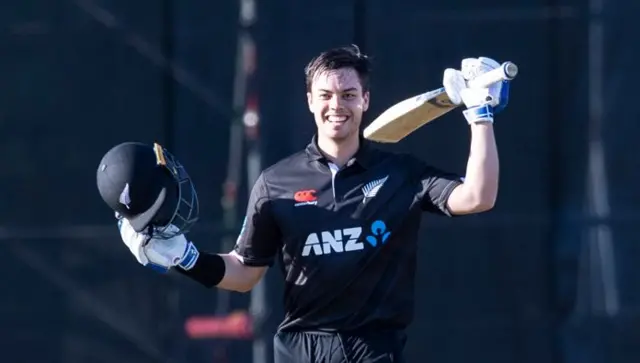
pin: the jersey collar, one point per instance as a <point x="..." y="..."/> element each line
<point x="364" y="156"/>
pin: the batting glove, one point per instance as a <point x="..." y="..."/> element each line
<point x="158" y="254"/>
<point x="481" y="103"/>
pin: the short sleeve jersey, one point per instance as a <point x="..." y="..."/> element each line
<point x="346" y="239"/>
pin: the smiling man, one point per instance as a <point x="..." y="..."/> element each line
<point x="342" y="218"/>
<point x="338" y="94"/>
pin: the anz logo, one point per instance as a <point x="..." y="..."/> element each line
<point x="345" y="240"/>
<point x="379" y="233"/>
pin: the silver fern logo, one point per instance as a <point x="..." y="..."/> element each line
<point x="371" y="189"/>
<point x="125" y="199"/>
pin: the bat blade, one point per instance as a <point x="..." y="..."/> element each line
<point x="406" y="116"/>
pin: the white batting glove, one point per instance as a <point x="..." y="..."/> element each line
<point x="481" y="103"/>
<point x="158" y="254"/>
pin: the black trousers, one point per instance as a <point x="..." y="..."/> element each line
<point x="325" y="347"/>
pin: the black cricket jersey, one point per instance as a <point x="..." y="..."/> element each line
<point x="346" y="239"/>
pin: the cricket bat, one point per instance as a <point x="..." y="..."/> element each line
<point x="406" y="116"/>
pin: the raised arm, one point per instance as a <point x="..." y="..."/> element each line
<point x="479" y="191"/>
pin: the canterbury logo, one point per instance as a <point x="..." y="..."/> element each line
<point x="305" y="197"/>
<point x="371" y="189"/>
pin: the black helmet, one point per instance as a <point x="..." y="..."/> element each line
<point x="149" y="187"/>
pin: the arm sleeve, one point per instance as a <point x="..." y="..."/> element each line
<point x="437" y="186"/>
<point x="260" y="236"/>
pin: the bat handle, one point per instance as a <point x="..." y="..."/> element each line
<point x="506" y="72"/>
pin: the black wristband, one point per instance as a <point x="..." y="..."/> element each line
<point x="209" y="269"/>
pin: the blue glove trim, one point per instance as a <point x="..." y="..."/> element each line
<point x="189" y="257"/>
<point x="157" y="268"/>
<point x="479" y="113"/>
<point x="504" y="97"/>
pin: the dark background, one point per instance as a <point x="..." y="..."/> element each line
<point x="549" y="275"/>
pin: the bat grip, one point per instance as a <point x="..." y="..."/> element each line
<point x="506" y="72"/>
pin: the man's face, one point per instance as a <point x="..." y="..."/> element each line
<point x="337" y="102"/>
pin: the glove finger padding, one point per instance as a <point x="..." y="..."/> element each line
<point x="133" y="240"/>
<point x="165" y="253"/>
<point x="477" y="97"/>
<point x="473" y="67"/>
<point x="454" y="83"/>
<point x="492" y="95"/>
<point x="175" y="251"/>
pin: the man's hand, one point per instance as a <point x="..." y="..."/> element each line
<point x="158" y="254"/>
<point x="481" y="103"/>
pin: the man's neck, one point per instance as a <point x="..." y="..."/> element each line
<point x="339" y="152"/>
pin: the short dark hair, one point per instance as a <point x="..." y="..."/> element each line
<point x="337" y="58"/>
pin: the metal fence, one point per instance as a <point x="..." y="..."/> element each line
<point x="548" y="276"/>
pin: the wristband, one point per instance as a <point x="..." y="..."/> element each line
<point x="208" y="269"/>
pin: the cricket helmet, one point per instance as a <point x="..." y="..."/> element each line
<point x="149" y="187"/>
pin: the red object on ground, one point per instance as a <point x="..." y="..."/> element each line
<point x="237" y="325"/>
